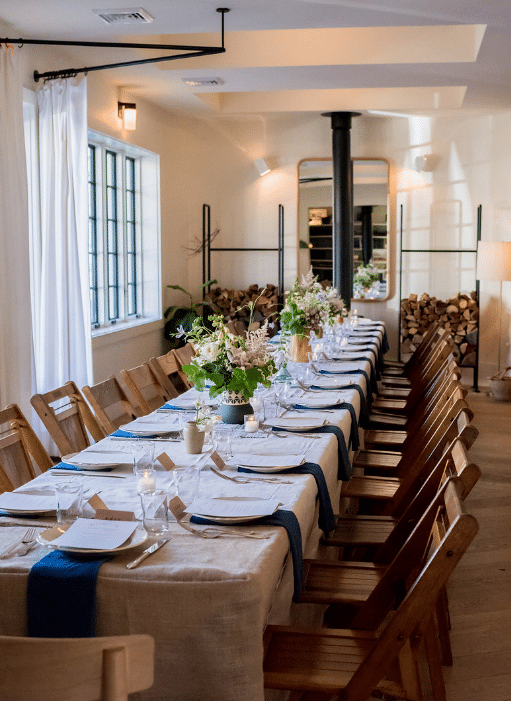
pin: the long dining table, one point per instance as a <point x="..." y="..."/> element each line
<point x="206" y="602"/>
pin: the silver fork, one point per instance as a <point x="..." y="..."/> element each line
<point x="29" y="540"/>
<point x="246" y="480"/>
<point x="30" y="532"/>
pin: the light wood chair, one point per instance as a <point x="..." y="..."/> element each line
<point x="184" y="356"/>
<point x="391" y="495"/>
<point x="353" y="663"/>
<point x="75" y="669"/>
<point x="111" y="404"/>
<point x="22" y="455"/>
<point x="143" y="384"/>
<point x="67" y="418"/>
<point x="166" y="371"/>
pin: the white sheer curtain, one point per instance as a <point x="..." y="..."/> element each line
<point x="15" y="307"/>
<point x="62" y="334"/>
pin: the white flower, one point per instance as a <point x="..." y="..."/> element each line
<point x="210" y="351"/>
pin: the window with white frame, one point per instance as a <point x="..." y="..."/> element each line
<point x="124" y="236"/>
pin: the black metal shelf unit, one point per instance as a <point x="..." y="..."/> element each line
<point x="441" y="250"/>
<point x="207" y="249"/>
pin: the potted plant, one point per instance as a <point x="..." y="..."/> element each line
<point x="231" y="365"/>
<point x="180" y="318"/>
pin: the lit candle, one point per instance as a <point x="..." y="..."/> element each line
<point x="146" y="482"/>
<point x="251" y="424"/>
<point x="256" y="403"/>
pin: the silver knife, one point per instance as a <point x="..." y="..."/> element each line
<point x="81" y="473"/>
<point x="146" y="553"/>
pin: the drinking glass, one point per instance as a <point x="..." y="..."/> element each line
<point x="143" y="456"/>
<point x="69" y="501"/>
<point x="187" y="482"/>
<point x="222" y="443"/>
<point x="155" y="511"/>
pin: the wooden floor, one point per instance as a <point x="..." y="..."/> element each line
<point x="480" y="588"/>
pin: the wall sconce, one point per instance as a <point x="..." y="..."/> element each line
<point x="262" y="167"/>
<point x="426" y="163"/>
<point x="127" y="112"/>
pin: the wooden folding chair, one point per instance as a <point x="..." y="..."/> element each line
<point x="111" y="404"/>
<point x="393" y="493"/>
<point x="145" y="388"/>
<point x="166" y="371"/>
<point x="184" y="356"/>
<point x="67" y="418"/>
<point x="75" y="669"/>
<point x="353" y="663"/>
<point x="395" y="461"/>
<point x="22" y="455"/>
<point x="396" y="368"/>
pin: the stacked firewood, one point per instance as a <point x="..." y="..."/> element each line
<point x="233" y="304"/>
<point x="458" y="315"/>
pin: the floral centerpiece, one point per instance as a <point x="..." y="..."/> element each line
<point x="230" y="365"/>
<point x="364" y="278"/>
<point x="308" y="306"/>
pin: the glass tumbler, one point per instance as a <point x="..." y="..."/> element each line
<point x="155" y="511"/>
<point x="69" y="501"/>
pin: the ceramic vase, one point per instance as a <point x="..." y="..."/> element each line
<point x="233" y="407"/>
<point x="193" y="438"/>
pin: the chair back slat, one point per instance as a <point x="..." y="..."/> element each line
<point x="144" y="386"/>
<point x="165" y="369"/>
<point x="67" y="418"/>
<point x="111" y="404"/>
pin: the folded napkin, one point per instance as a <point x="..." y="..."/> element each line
<point x="371" y="380"/>
<point x="364" y="412"/>
<point x="189" y="406"/>
<point x="61" y="596"/>
<point x="326" y="520"/>
<point x="364" y="328"/>
<point x="75" y="468"/>
<point x="287" y="520"/>
<point x="354" y="441"/>
<point x="352" y="357"/>
<point x="344" y="467"/>
<point x="127" y="434"/>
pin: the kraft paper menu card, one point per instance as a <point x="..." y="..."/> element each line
<point x="94" y="534"/>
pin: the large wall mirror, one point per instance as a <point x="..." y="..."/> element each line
<point x="370" y="221"/>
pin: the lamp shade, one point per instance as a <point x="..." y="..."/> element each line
<point x="494" y="260"/>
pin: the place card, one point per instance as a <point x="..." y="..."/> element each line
<point x="93" y="534"/>
<point x="97" y="502"/>
<point x="113" y="515"/>
<point x="166" y="462"/>
<point x="177" y="508"/>
<point x="219" y="462"/>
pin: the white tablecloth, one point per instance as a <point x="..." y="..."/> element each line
<point x="206" y="602"/>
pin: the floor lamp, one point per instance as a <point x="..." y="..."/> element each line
<point x="494" y="263"/>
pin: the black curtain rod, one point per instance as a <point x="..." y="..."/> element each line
<point x="68" y="72"/>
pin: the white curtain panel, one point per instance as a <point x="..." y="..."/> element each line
<point x="62" y="333"/>
<point x="15" y="307"/>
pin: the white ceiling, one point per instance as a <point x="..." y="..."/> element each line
<point x="288" y="56"/>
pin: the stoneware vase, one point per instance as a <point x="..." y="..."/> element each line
<point x="233" y="407"/>
<point x="299" y="347"/>
<point x="193" y="438"/>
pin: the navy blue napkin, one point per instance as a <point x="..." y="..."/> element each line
<point x="61" y="596"/>
<point x="74" y="468"/>
<point x="287" y="520"/>
<point x="370" y="343"/>
<point x="373" y="327"/>
<point x="364" y="412"/>
<point x="354" y="441"/>
<point x="371" y="380"/>
<point x="344" y="468"/>
<point x="174" y="407"/>
<point x="127" y="434"/>
<point x="326" y="519"/>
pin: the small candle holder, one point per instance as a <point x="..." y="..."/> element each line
<point x="251" y="424"/>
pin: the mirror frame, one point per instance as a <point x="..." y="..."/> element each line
<point x="391" y="231"/>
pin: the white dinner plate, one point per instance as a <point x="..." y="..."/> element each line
<point x="232" y="520"/>
<point x="26" y="512"/>
<point x="269" y="469"/>
<point x="71" y="460"/>
<point x="288" y="425"/>
<point x="47" y="537"/>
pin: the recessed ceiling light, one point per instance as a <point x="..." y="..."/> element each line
<point x="202" y="82"/>
<point x="130" y="15"/>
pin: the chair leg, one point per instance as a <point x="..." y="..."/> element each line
<point x="431" y="641"/>
<point x="444" y="625"/>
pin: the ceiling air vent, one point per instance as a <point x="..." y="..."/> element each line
<point x="130" y="15"/>
<point x="203" y="82"/>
